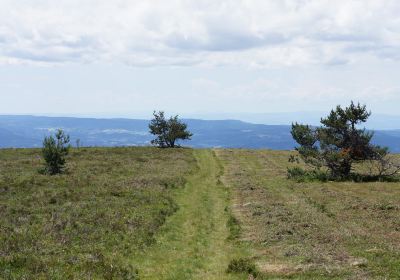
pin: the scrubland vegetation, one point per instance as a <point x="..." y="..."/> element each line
<point x="150" y="213"/>
<point x="89" y="221"/>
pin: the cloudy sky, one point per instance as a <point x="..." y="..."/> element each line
<point x="127" y="57"/>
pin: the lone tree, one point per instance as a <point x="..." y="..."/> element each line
<point x="339" y="142"/>
<point x="167" y="131"/>
<point x="54" y="151"/>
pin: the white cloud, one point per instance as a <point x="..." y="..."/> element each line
<point x="233" y="55"/>
<point x="255" y="33"/>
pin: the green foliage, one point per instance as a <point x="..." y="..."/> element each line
<point x="54" y="151"/>
<point x="242" y="265"/>
<point x="338" y="143"/>
<point x="167" y="132"/>
<point x="233" y="226"/>
<point x="295" y="172"/>
<point x="301" y="175"/>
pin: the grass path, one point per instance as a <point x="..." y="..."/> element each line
<point x="193" y="242"/>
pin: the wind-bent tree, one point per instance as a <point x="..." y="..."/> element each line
<point x="167" y="132"/>
<point x="339" y="142"/>
<point x="54" y="151"/>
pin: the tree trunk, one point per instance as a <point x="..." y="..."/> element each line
<point x="346" y="169"/>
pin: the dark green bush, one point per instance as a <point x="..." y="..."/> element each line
<point x="234" y="227"/>
<point x="54" y="151"/>
<point x="242" y="265"/>
<point x="359" y="178"/>
<point x="295" y="172"/>
<point x="300" y="175"/>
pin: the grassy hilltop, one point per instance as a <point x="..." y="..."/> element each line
<point x="88" y="222"/>
<point x="313" y="230"/>
<point x="148" y="213"/>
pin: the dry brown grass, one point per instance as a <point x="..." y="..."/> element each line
<point x="317" y="230"/>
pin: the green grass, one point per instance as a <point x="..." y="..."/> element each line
<point x="313" y="230"/>
<point x="193" y="244"/>
<point x="148" y="213"/>
<point x="88" y="222"/>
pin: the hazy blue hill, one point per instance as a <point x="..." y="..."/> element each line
<point x="28" y="131"/>
<point x="238" y="134"/>
<point x="91" y="132"/>
<point x="389" y="138"/>
<point x="11" y="139"/>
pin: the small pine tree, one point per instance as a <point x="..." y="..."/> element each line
<point x="54" y="151"/>
<point x="338" y="143"/>
<point x="167" y="131"/>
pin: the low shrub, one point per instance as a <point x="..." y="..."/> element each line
<point x="242" y="265"/>
<point x="362" y="178"/>
<point x="300" y="175"/>
<point x="234" y="227"/>
<point x="295" y="172"/>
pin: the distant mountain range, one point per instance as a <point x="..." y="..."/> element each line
<point x="29" y="131"/>
<point x="376" y="121"/>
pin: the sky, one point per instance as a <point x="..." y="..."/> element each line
<point x="197" y="58"/>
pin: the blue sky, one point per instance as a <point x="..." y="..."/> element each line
<point x="197" y="58"/>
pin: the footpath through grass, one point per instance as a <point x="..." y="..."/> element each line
<point x="193" y="244"/>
